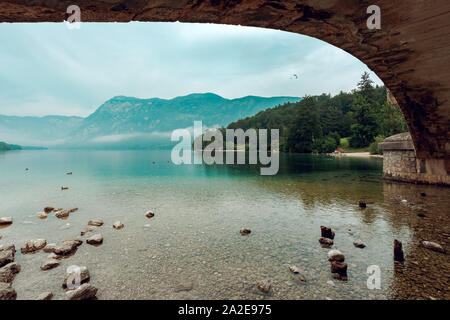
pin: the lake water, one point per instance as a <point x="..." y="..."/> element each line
<point x="192" y="248"/>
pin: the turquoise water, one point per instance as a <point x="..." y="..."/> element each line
<point x="194" y="241"/>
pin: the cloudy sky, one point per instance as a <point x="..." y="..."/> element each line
<point x="49" y="69"/>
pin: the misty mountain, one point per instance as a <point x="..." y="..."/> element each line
<point x="133" y="122"/>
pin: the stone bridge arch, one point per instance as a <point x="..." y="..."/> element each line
<point x="410" y="53"/>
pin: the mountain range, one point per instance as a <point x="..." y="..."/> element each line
<point x="132" y="122"/>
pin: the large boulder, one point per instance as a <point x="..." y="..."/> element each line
<point x="32" y="246"/>
<point x="9" y="272"/>
<point x="84" y="292"/>
<point x="7" y="292"/>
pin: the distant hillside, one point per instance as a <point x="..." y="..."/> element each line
<point x="134" y="122"/>
<point x="6" y="147"/>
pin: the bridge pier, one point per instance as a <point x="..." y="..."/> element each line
<point x="400" y="163"/>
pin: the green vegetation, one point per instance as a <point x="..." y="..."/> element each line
<point x="353" y="121"/>
<point x="6" y="147"/>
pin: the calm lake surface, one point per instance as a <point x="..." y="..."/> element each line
<point x="192" y="248"/>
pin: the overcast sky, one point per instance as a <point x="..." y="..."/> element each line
<point x="48" y="69"/>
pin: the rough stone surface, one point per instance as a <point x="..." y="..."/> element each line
<point x="294" y="269"/>
<point x="7" y="292"/>
<point x="359" y="244"/>
<point x="45" y="296"/>
<point x="48" y="209"/>
<point x="33" y="246"/>
<point x="6" y="256"/>
<point x="150" y="214"/>
<point x="9" y="272"/>
<point x="67" y="247"/>
<point x="245" y="232"/>
<point x="340" y="269"/>
<point x="84" y="292"/>
<point x="96" y="239"/>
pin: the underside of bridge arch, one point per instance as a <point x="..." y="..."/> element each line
<point x="410" y="53"/>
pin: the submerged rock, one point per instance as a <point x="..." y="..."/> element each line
<point x="432" y="246"/>
<point x="45" y="296"/>
<point x="77" y="275"/>
<point x="42" y="215"/>
<point x="326" y="243"/>
<point x="294" y="269"/>
<point x="5" y="221"/>
<point x="359" y="244"/>
<point x="336" y="255"/>
<point x="7" y="292"/>
<point x="84" y="292"/>
<point x="96" y="239"/>
<point x="301" y="278"/>
<point x="32" y="246"/>
<point x="48" y="209"/>
<point x="264" y="286"/>
<point x="9" y="272"/>
<point x="150" y="214"/>
<point x="95" y="223"/>
<point x="398" y="251"/>
<point x="184" y="286"/>
<point x="245" y="232"/>
<point x="326" y="232"/>
<point x="118" y="225"/>
<point x="88" y="229"/>
<point x="50" y="264"/>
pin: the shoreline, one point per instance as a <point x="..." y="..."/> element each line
<point x="356" y="154"/>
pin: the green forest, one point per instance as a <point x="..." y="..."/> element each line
<point x="353" y="121"/>
<point x="6" y="147"/>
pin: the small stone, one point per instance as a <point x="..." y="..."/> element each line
<point x="301" y="278"/>
<point x="9" y="272"/>
<point x="423" y="194"/>
<point x="398" y="251"/>
<point x="432" y="246"/>
<point x="150" y="214"/>
<point x="65" y="213"/>
<point x="362" y="204"/>
<point x="69" y="173"/>
<point x="325" y="242"/>
<point x="88" y="229"/>
<point x="264" y="286"/>
<point x="5" y="221"/>
<point x="50" y="264"/>
<point x="42" y="215"/>
<point x="326" y="232"/>
<point x="294" y="269"/>
<point x="421" y="215"/>
<point x="64" y="188"/>
<point x="245" y="232"/>
<point x="33" y="246"/>
<point x="67" y="247"/>
<point x="7" y="292"/>
<point x="45" y="296"/>
<point x="95" y="223"/>
<point x="118" y="225"/>
<point x="48" y="209"/>
<point x="96" y="239"/>
<point x="331" y="283"/>
<point x="77" y="275"/>
<point x="84" y="292"/>
<point x="184" y="286"/>
<point x="359" y="244"/>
